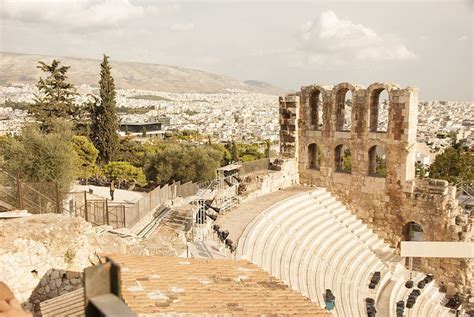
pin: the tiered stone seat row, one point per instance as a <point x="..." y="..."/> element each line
<point x="313" y="243"/>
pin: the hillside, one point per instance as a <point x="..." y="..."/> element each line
<point x="21" y="68"/>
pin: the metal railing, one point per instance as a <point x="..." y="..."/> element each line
<point x="36" y="197"/>
<point x="102" y="211"/>
<point x="465" y="193"/>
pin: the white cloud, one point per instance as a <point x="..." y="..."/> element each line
<point x="74" y="14"/>
<point x="332" y="40"/>
<point x="182" y="27"/>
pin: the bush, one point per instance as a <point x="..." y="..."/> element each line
<point x="87" y="156"/>
<point x="181" y="162"/>
<point x="133" y="152"/>
<point x="37" y="156"/>
<point x="124" y="172"/>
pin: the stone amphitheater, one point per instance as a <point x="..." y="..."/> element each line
<point x="313" y="243"/>
<point x="329" y="214"/>
<point x="344" y="225"/>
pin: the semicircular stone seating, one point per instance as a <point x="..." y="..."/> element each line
<point x="313" y="243"/>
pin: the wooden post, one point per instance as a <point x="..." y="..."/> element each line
<point x="20" y="194"/>
<point x="85" y="206"/>
<point x="107" y="211"/>
<point x="123" y="213"/>
<point x="58" y="202"/>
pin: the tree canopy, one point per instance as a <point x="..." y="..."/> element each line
<point x="56" y="96"/>
<point x="134" y="152"/>
<point x="37" y="156"/>
<point x="87" y="156"/>
<point x="124" y="172"/>
<point x="453" y="165"/>
<point x="182" y="162"/>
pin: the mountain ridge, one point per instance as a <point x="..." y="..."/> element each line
<point x="21" y="68"/>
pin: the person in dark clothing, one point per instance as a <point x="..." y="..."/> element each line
<point x="112" y="190"/>
<point x="329" y="300"/>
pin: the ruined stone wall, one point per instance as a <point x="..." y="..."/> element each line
<point x="386" y="203"/>
<point x="266" y="182"/>
<point x="289" y="114"/>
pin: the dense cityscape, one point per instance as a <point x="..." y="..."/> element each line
<point x="236" y="158"/>
<point x="233" y="114"/>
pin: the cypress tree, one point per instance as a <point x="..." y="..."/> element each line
<point x="104" y="121"/>
<point x="234" y="152"/>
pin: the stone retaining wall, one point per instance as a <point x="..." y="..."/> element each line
<point x="43" y="256"/>
<point x="269" y="181"/>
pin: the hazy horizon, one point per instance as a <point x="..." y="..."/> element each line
<point x="426" y="44"/>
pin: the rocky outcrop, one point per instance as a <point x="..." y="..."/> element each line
<point x="43" y="256"/>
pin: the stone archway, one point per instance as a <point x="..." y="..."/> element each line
<point x="412" y="231"/>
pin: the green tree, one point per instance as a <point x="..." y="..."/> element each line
<point x="134" y="152"/>
<point x="225" y="153"/>
<point x="453" y="165"/>
<point x="104" y="121"/>
<point x="87" y="156"/>
<point x="249" y="152"/>
<point x="267" y="148"/>
<point x="124" y="172"/>
<point x="182" y="162"/>
<point x="234" y="152"/>
<point x="37" y="156"/>
<point x="56" y="97"/>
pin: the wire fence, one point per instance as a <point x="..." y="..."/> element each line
<point x="45" y="197"/>
<point x="102" y="211"/>
<point x="36" y="197"/>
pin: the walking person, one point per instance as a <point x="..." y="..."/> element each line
<point x="112" y="190"/>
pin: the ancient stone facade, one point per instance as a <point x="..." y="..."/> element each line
<point x="339" y="144"/>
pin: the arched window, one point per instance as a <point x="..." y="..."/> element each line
<point x="316" y="110"/>
<point x="343" y="110"/>
<point x="314" y="157"/>
<point x="377" y="161"/>
<point x="343" y="159"/>
<point x="378" y="114"/>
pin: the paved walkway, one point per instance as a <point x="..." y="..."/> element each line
<point x="383" y="305"/>
<point x="237" y="219"/>
<point x="120" y="195"/>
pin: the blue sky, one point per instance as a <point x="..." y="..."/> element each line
<point x="427" y="44"/>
